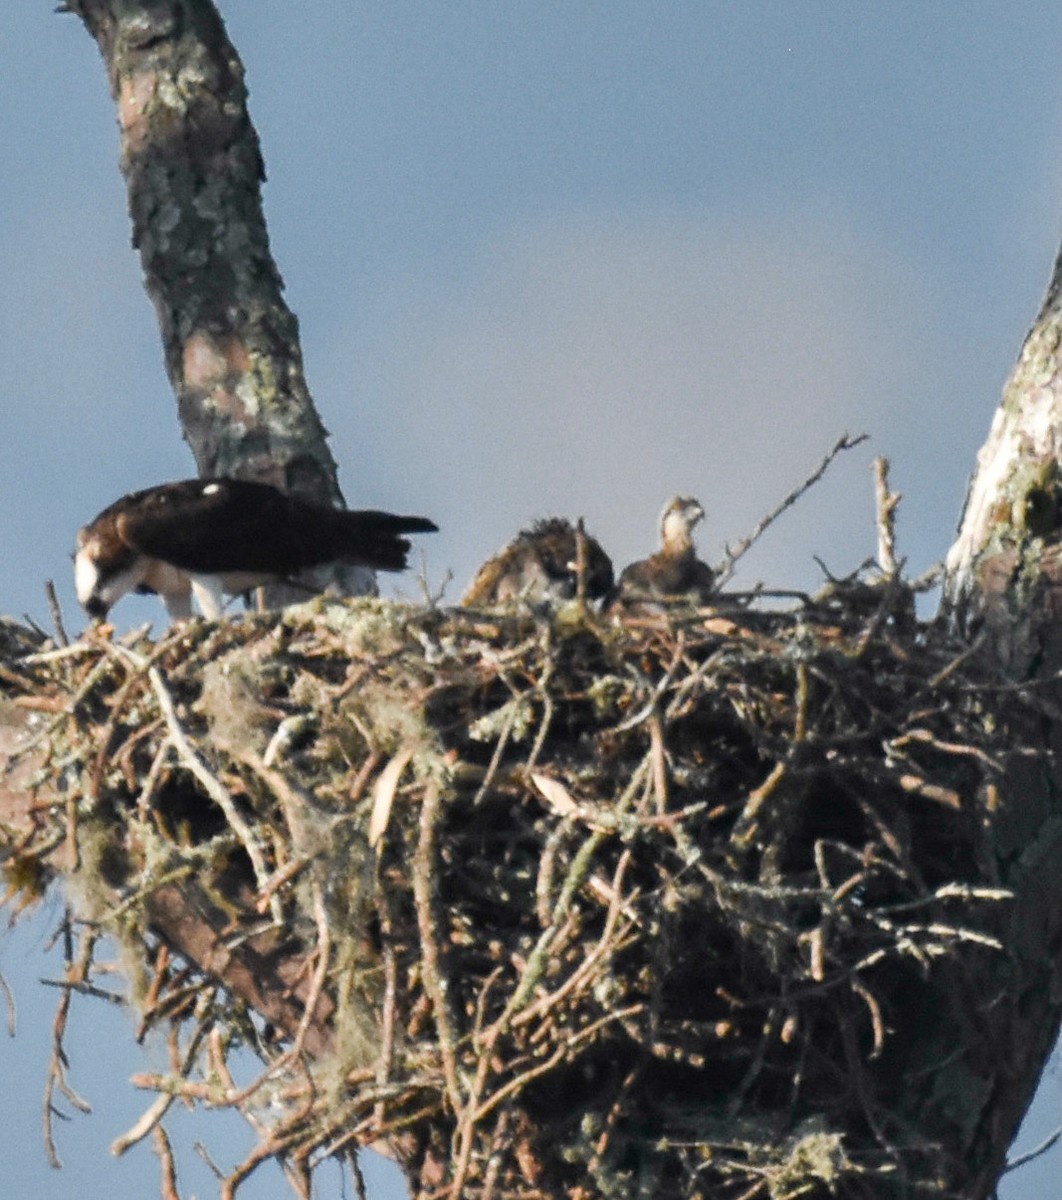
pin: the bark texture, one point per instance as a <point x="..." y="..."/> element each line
<point x="1003" y="571"/>
<point x="1003" y="589"/>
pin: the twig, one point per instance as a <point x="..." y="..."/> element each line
<point x="168" y="1184"/>
<point x="310" y="1015"/>
<point x="539" y="956"/>
<point x="56" y="613"/>
<point x="86" y="989"/>
<point x="757" y="1189"/>
<point x="216" y="791"/>
<point x="845" y="442"/>
<point x="616" y="1113"/>
<point x="150" y="1118"/>
<point x="547" y="861"/>
<point x="495" y="1157"/>
<point x="9" y="1001"/>
<point x="514" y="710"/>
<point x="272" y="1146"/>
<point x="886" y="519"/>
<point x="388" y="1015"/>
<point x="659" y="752"/>
<point x="436" y="983"/>
<point x="204" y="1154"/>
<point x="1049" y="1141"/>
<point x="547" y="716"/>
<point x="76" y="972"/>
<point x="279" y="878"/>
<point x="876" y="1020"/>
<point x="564" y="1050"/>
<point x="580" y="562"/>
<point x="147" y="1122"/>
<point x="605" y="944"/>
<point x="746" y="826"/>
<point x="360" y="1192"/>
<point x="737" y="1101"/>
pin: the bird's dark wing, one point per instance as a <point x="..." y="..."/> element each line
<point x="370" y="538"/>
<point x="484" y="588"/>
<point x="559" y="552"/>
<point x="664" y="576"/>
<point x="207" y="525"/>
<point x="210" y="526"/>
<point x="599" y="576"/>
<point x="539" y="564"/>
<point x="638" y="576"/>
<point x="701" y="579"/>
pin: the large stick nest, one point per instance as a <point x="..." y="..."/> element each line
<point x="662" y="905"/>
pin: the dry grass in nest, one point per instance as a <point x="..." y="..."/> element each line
<point x="627" y="899"/>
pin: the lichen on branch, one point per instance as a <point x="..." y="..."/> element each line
<point x="193" y="170"/>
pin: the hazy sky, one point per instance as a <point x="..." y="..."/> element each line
<point x="547" y="257"/>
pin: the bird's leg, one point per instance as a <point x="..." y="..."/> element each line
<point x="209" y="596"/>
<point x="178" y="605"/>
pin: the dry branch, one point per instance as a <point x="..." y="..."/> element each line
<point x="657" y="893"/>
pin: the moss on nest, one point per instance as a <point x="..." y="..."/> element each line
<point x="641" y="894"/>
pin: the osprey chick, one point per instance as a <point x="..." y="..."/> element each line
<point x="674" y="571"/>
<point x="541" y="564"/>
<point x="203" y="537"/>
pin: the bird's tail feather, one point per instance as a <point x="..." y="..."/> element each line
<point x="373" y="538"/>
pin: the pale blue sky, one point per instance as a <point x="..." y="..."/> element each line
<point x="547" y="257"/>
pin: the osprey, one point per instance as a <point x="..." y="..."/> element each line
<point x="203" y="537"/>
<point x="541" y="564"/>
<point x="674" y="571"/>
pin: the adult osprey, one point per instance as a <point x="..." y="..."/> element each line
<point x="203" y="537"/>
<point x="674" y="572"/>
<point x="541" y="564"/>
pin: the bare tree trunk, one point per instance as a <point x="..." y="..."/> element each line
<point x="1003" y="573"/>
<point x="193" y="169"/>
<point x="1003" y="589"/>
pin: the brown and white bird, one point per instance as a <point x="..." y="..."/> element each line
<point x="205" y="537"/>
<point x="674" y="572"/>
<point x="541" y="564"/>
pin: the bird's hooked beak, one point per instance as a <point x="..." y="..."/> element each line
<point x="693" y="512"/>
<point x="96" y="607"/>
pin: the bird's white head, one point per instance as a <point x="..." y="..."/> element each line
<point x="99" y="581"/>
<point x="681" y="514"/>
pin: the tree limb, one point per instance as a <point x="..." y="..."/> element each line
<point x="193" y="170"/>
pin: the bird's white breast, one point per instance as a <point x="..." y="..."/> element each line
<point x="86" y="574"/>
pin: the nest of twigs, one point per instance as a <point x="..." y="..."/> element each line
<point x="630" y="903"/>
